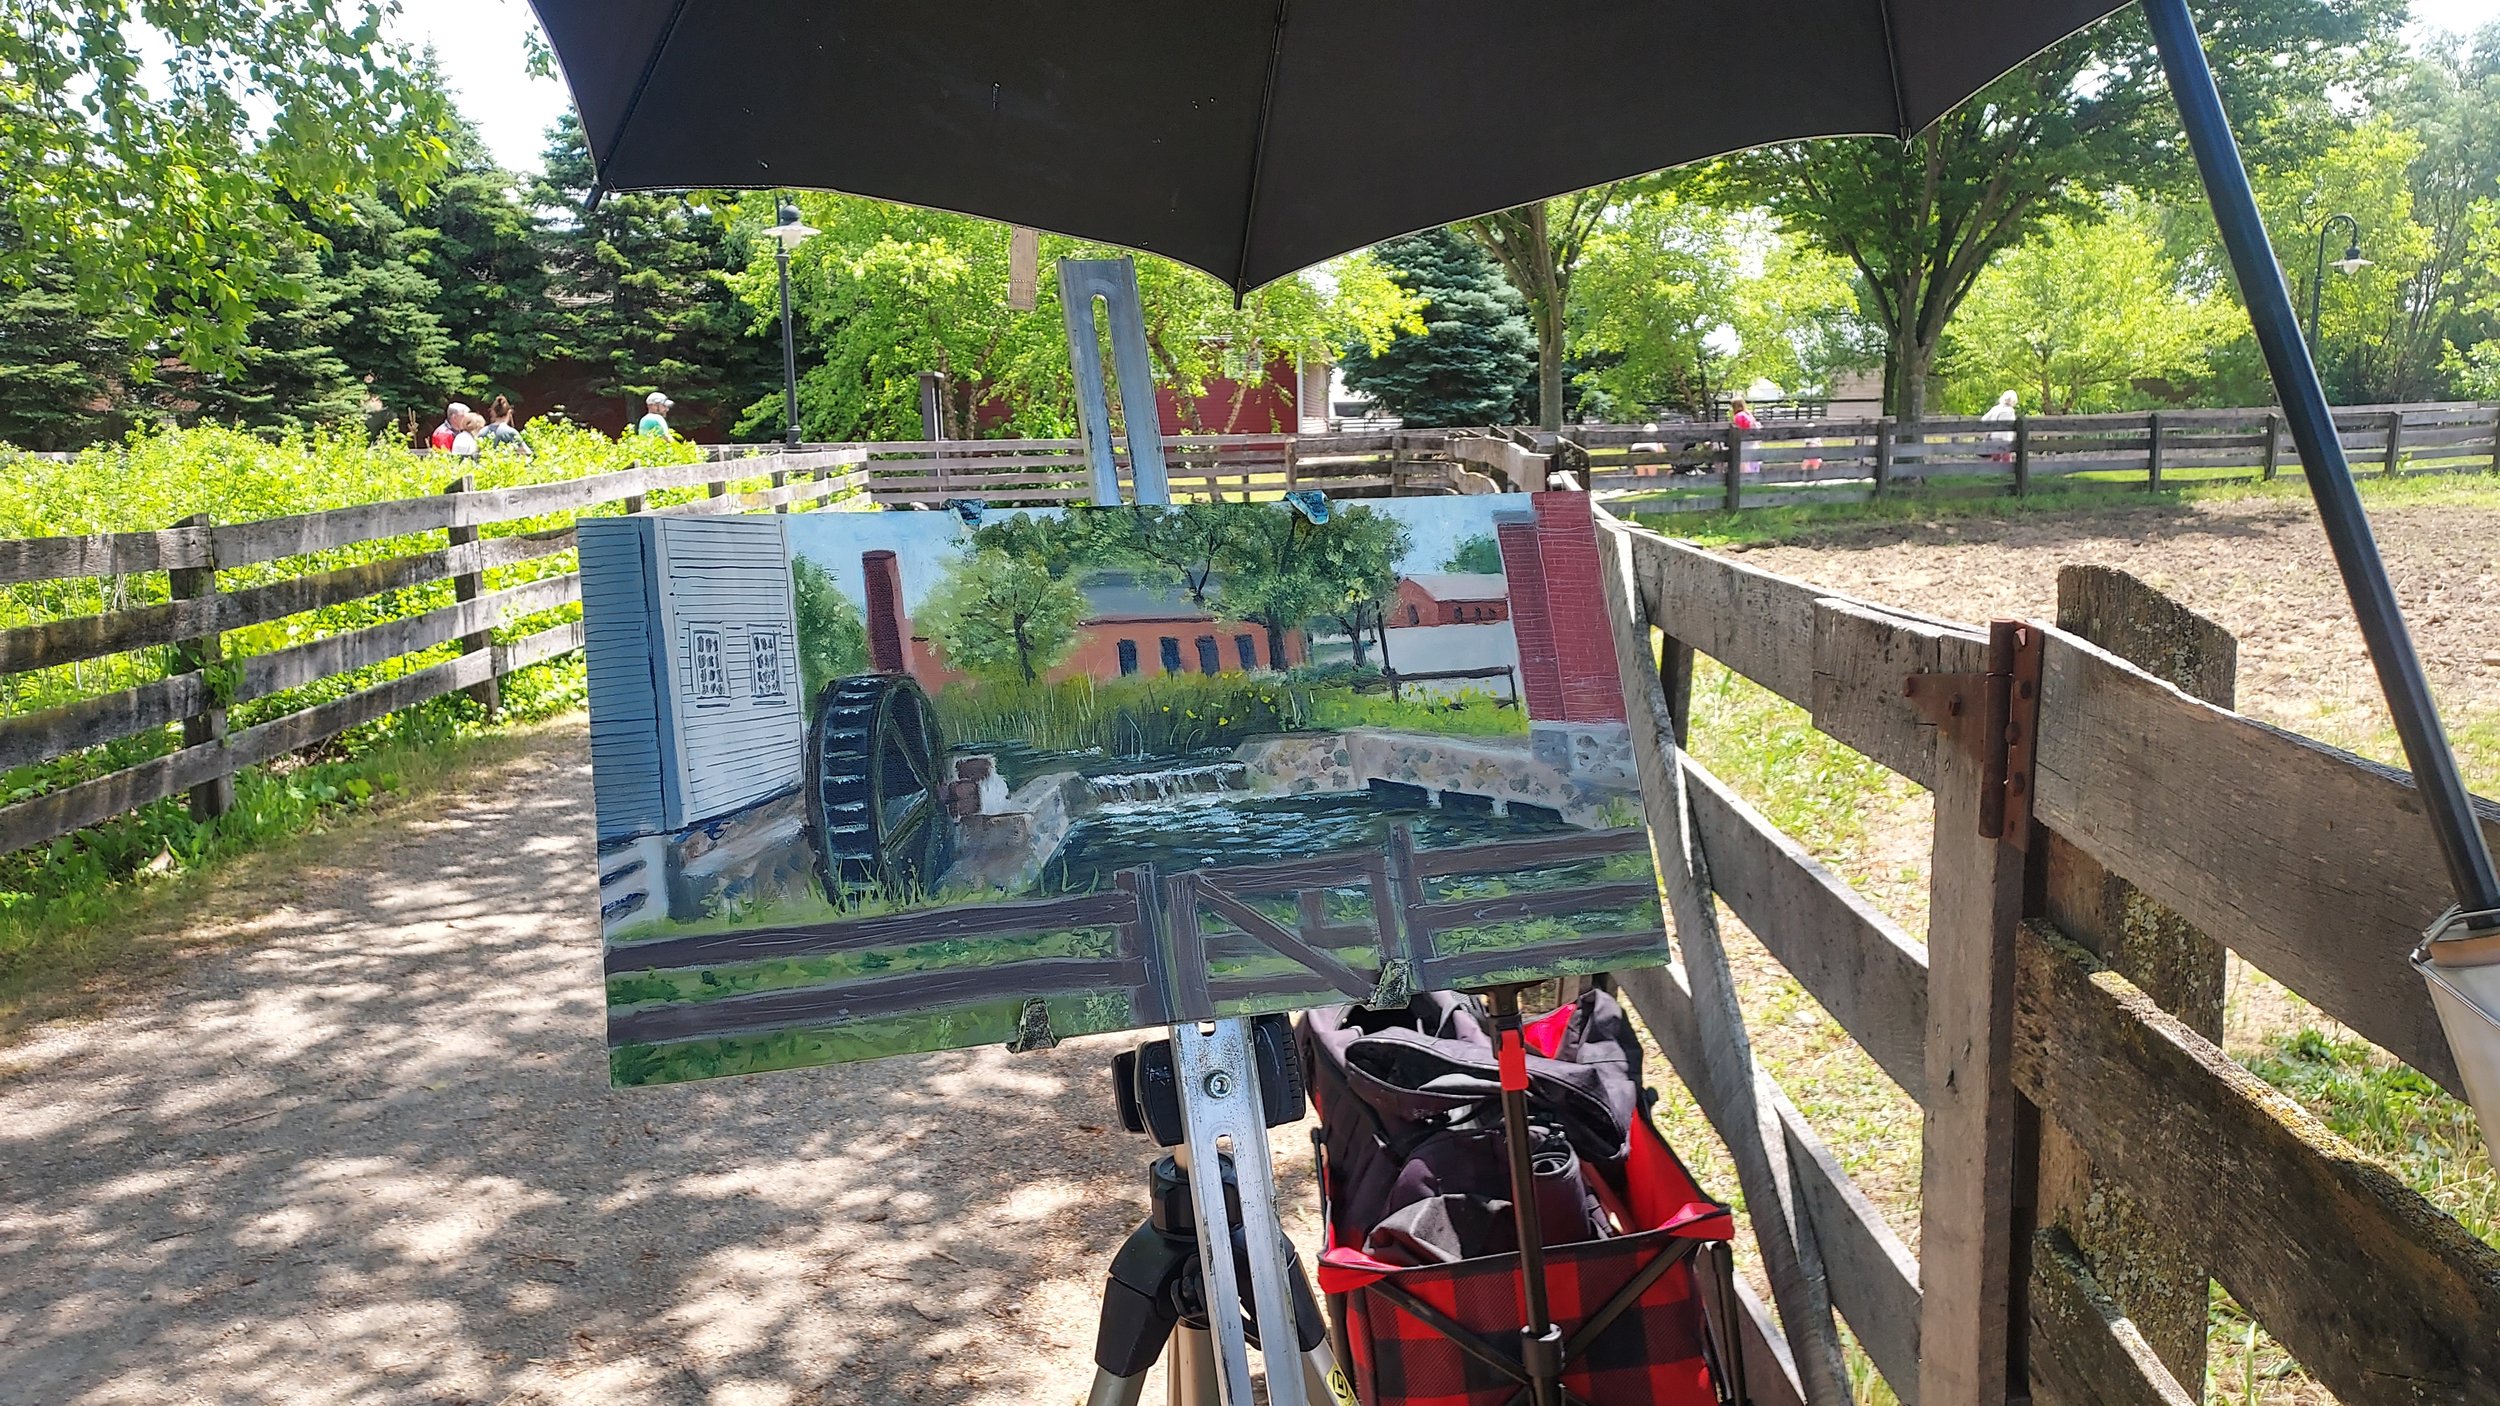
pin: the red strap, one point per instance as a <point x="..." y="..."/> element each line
<point x="1514" y="1061"/>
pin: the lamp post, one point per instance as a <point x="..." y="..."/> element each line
<point x="2352" y="262"/>
<point x="789" y="232"/>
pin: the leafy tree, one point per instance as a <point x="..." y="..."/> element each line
<point x="2079" y="316"/>
<point x="157" y="151"/>
<point x="2450" y="102"/>
<point x="1466" y="365"/>
<point x="886" y="292"/>
<point x="1481" y="554"/>
<point x="1540" y="247"/>
<point x="646" y="280"/>
<point x="833" y="639"/>
<point x="1688" y="300"/>
<point x="998" y="616"/>
<point x="1920" y="218"/>
<point x="2366" y="349"/>
<point x="1358" y="558"/>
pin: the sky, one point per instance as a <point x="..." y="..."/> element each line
<point x="480" y="42"/>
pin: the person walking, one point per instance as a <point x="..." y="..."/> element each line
<point x="499" y="433"/>
<point x="464" y="443"/>
<point x="454" y="416"/>
<point x="1740" y="417"/>
<point x="2007" y="409"/>
<point x="655" y="408"/>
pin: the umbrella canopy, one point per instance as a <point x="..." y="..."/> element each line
<point x="1251" y="138"/>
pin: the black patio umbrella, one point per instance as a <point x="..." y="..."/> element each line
<point x="1250" y="138"/>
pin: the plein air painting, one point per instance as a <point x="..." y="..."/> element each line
<point x="873" y="783"/>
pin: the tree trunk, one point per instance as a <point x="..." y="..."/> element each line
<point x="1276" y="646"/>
<point x="1911" y="363"/>
<point x="1549" y="361"/>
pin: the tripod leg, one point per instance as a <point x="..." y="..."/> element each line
<point x="1193" y="1378"/>
<point x="1323" y="1381"/>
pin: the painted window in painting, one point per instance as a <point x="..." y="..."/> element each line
<point x="1171" y="655"/>
<point x="1128" y="657"/>
<point x="1210" y="659"/>
<point x="1247" y="646"/>
<point x="711" y="670"/>
<point x="766" y="672"/>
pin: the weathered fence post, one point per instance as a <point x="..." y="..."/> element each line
<point x="2495" y="441"/>
<point x="1735" y="468"/>
<point x="1883" y="454"/>
<point x="204" y="653"/>
<point x="2274" y="444"/>
<point x="2022" y="455"/>
<point x="2152" y="454"/>
<point x="2138" y="1261"/>
<point x="2395" y="440"/>
<point x="468" y="586"/>
<point x="781" y="479"/>
<point x="635" y="502"/>
<point x="1968" y="1216"/>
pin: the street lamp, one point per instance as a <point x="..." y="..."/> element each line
<point x="789" y="232"/>
<point x="2352" y="262"/>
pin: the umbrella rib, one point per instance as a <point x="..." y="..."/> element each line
<point x="1258" y="153"/>
<point x="1892" y="64"/>
<point x="633" y="100"/>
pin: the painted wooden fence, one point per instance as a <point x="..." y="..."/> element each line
<point x="2089" y="1156"/>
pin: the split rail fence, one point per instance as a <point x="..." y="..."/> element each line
<point x="2089" y="1156"/>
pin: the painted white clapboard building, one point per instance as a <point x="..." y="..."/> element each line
<point x="691" y="637"/>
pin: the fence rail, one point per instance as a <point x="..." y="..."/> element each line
<point x="2088" y="1154"/>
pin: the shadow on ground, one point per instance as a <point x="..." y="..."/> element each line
<point x="371" y="1156"/>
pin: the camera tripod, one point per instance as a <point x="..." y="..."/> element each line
<point x="1163" y="1294"/>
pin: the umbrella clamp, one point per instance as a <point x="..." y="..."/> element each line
<point x="1996" y="716"/>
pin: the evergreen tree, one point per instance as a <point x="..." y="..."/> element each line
<point x="289" y="374"/>
<point x="487" y="254"/>
<point x="1476" y="349"/>
<point x="389" y="334"/>
<point x="645" y="280"/>
<point x="60" y="368"/>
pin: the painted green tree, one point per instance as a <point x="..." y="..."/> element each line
<point x="1466" y="366"/>
<point x="833" y="639"/>
<point x="1480" y="554"/>
<point x="1000" y="617"/>
<point x="1280" y="572"/>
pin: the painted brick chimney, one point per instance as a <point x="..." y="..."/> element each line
<point x="1577" y="722"/>
<point x="889" y="632"/>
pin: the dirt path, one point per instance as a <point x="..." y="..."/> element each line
<point x="370" y="1155"/>
<point x="2259" y="567"/>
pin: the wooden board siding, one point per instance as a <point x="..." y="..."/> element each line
<point x="629" y="786"/>
<point x="730" y="577"/>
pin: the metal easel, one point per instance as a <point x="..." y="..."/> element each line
<point x="1216" y="1073"/>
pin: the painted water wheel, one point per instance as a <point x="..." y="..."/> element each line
<point x="875" y="786"/>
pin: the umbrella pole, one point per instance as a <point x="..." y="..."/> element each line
<point x="2313" y="429"/>
<point x="1540" y="1342"/>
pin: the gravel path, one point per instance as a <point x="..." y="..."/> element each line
<point x="369" y="1154"/>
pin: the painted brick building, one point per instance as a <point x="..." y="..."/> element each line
<point x="1450" y="598"/>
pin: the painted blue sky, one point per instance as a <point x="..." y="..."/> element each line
<point x="926" y="542"/>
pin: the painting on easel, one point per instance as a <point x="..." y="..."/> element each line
<point x="874" y="783"/>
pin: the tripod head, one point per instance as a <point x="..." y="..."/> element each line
<point x="1148" y="1089"/>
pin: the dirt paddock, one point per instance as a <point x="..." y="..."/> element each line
<point x="362" y="1150"/>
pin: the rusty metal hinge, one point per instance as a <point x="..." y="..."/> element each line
<point x="1997" y="716"/>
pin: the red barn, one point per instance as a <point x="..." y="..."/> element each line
<point x="1451" y="598"/>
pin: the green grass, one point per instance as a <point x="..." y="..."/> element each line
<point x="1470" y="713"/>
<point x="1173" y="715"/>
<point x="1789" y="523"/>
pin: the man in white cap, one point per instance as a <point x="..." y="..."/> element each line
<point x="453" y="417"/>
<point x="655" y="415"/>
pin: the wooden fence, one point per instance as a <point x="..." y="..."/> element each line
<point x="1853" y="460"/>
<point x="2089" y="1156"/>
